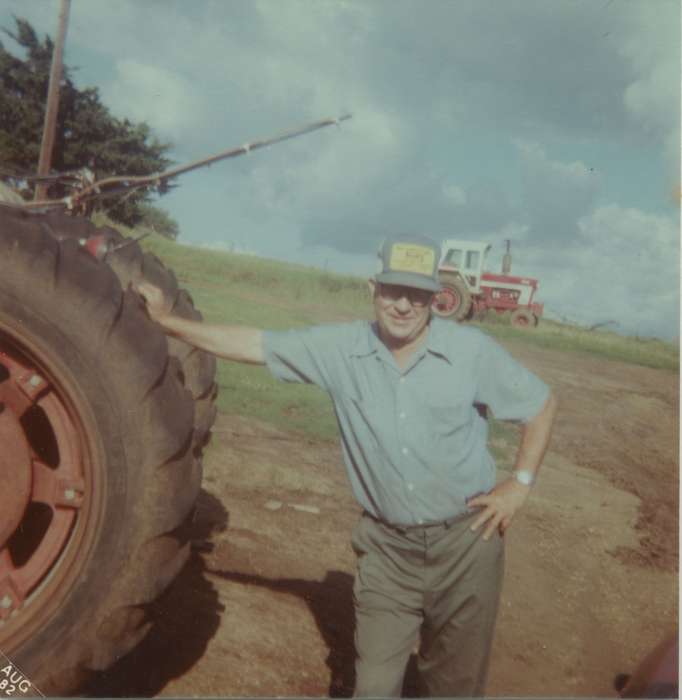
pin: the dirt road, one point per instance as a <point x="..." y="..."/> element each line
<point x="264" y="607"/>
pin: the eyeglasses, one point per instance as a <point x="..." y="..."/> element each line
<point x="391" y="293"/>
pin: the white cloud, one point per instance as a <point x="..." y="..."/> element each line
<point x="624" y="266"/>
<point x="512" y="231"/>
<point x="556" y="194"/>
<point x="652" y="101"/>
<point x="648" y="241"/>
<point x="650" y="46"/>
<point x="574" y="174"/>
<point x="454" y="194"/>
<point x="352" y="160"/>
<point x="319" y="173"/>
<point x="150" y="93"/>
<point x="317" y="26"/>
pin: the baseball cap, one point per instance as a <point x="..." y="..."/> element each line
<point x="410" y="261"/>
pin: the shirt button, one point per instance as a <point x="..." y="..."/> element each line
<point x="420" y="521"/>
<point x="405" y="451"/>
<point x="410" y="487"/>
<point x="402" y="414"/>
<point x="402" y="380"/>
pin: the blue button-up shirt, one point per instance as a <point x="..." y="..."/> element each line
<point x="414" y="445"/>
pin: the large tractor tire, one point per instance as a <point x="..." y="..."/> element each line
<point x="99" y="455"/>
<point x="453" y="300"/>
<point x="523" y="318"/>
<point x="131" y="265"/>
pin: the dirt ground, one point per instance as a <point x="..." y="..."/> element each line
<point x="264" y="607"/>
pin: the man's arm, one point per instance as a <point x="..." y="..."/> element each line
<point x="502" y="502"/>
<point x="238" y="343"/>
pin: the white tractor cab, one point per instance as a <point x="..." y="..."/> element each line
<point x="466" y="258"/>
<point x="468" y="291"/>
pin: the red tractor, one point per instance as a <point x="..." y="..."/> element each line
<point x="468" y="292"/>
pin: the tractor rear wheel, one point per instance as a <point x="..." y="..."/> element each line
<point x="523" y="318"/>
<point x="97" y="432"/>
<point x="131" y="265"/>
<point x="453" y="300"/>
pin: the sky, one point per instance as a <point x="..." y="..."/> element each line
<point x="552" y="123"/>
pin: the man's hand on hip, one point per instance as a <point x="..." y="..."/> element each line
<point x="501" y="503"/>
<point x="499" y="506"/>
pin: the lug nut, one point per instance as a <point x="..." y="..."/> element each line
<point x="35" y="380"/>
<point x="69" y="494"/>
<point x="6" y="602"/>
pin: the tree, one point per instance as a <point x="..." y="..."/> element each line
<point x="87" y="134"/>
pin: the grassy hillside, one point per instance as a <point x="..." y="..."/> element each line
<point x="240" y="289"/>
<point x="245" y="289"/>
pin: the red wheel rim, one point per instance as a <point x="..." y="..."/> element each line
<point x="446" y="302"/>
<point x="44" y="431"/>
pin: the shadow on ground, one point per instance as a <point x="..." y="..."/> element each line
<point x="185" y="618"/>
<point x="188" y="615"/>
<point x="331" y="603"/>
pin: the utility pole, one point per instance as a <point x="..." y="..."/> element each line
<point x="52" y="106"/>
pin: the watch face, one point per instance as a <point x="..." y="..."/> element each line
<point x="524" y="477"/>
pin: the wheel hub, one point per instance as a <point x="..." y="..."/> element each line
<point x="15" y="472"/>
<point x="58" y="487"/>
<point x="445" y="301"/>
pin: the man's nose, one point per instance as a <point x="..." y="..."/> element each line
<point x="403" y="304"/>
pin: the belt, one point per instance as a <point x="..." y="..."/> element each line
<point x="409" y="528"/>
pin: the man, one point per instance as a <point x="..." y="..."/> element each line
<point x="405" y="390"/>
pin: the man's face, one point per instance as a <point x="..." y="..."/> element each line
<point x="401" y="312"/>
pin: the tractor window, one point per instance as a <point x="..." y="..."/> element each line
<point x="454" y="257"/>
<point x="473" y="256"/>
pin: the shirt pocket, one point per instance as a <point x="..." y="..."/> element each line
<point x="445" y="422"/>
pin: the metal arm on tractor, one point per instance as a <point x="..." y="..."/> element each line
<point x="85" y="190"/>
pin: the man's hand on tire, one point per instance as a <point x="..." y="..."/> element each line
<point x="158" y="307"/>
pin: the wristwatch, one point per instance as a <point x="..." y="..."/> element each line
<point x="525" y="477"/>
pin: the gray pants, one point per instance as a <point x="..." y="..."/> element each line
<point x="435" y="586"/>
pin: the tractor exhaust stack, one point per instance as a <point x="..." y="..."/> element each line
<point x="507" y="260"/>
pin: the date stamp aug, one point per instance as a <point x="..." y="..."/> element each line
<point x="14" y="683"/>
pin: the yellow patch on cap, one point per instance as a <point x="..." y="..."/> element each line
<point x="408" y="257"/>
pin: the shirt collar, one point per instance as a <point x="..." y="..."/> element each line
<point x="369" y="342"/>
<point x="436" y="340"/>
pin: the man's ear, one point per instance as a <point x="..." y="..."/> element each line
<point x="371" y="283"/>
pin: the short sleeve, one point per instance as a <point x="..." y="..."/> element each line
<point x="510" y="390"/>
<point x="307" y="355"/>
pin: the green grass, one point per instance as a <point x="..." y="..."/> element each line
<point x="648" y="352"/>
<point x="235" y="288"/>
<point x="252" y="391"/>
<point x="240" y="289"/>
